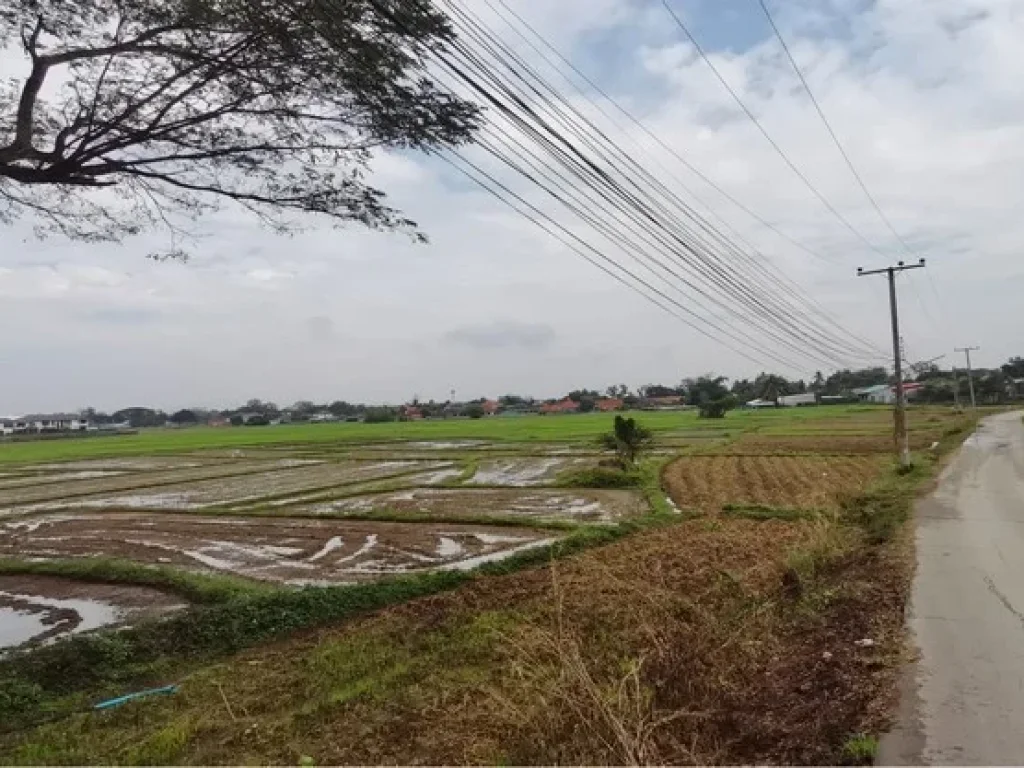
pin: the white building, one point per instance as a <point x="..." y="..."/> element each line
<point x="792" y="401"/>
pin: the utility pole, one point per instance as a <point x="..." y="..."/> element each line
<point x="970" y="376"/>
<point x="901" y="438"/>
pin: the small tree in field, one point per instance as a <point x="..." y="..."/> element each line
<point x="628" y="439"/>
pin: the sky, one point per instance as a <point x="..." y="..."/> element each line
<point x="925" y="96"/>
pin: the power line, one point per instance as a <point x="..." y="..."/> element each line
<point x="828" y="127"/>
<point x="746" y="110"/>
<point x="601" y="175"/>
<point x="846" y="158"/>
<point x="771" y="275"/>
<point x="600" y="179"/>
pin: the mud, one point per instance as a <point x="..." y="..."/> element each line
<point x="276" y="479"/>
<point x="289" y="550"/>
<point x="542" y="505"/>
<point x="523" y="472"/>
<point x="41" y="609"/>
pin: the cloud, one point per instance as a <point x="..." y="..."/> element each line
<point x="320" y="328"/>
<point x="924" y="94"/>
<point x="123" y="315"/>
<point x="502" y="335"/>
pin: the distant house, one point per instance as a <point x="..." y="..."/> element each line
<point x="607" y="404"/>
<point x="879" y="393"/>
<point x="792" y="401"/>
<point x="218" y="421"/>
<point x="51" y="422"/>
<point x="665" y="402"/>
<point x="760" y="403"/>
<point x="490" y="407"/>
<point x="562" y="406"/>
<point x="322" y="417"/>
<point x="885" y="394"/>
<point x="411" y="413"/>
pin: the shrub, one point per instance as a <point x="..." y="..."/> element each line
<point x="628" y="439"/>
<point x="599" y="477"/>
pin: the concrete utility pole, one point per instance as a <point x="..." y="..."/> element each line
<point x="900" y="436"/>
<point x="970" y="376"/>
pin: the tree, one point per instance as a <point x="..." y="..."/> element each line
<point x="620" y="391"/>
<point x="181" y="105"/>
<point x="628" y="439"/>
<point x="236" y="420"/>
<point x="340" y="408"/>
<point x="579" y="395"/>
<point x="184" y="416"/>
<point x="706" y="389"/>
<point x="141" y="417"/>
<point x="1014" y="368"/>
<point x="380" y="415"/>
<point x="818" y="385"/>
<point x="475" y="411"/>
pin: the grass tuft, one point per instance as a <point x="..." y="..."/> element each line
<point x="859" y="749"/>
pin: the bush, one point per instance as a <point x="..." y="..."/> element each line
<point x="599" y="477"/>
<point x="475" y="412"/>
<point x="379" y="415"/>
<point x="716" y="409"/>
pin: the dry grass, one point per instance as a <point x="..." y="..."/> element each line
<point x="708" y="483"/>
<point x="677" y="645"/>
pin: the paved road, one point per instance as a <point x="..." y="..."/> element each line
<point x="963" y="702"/>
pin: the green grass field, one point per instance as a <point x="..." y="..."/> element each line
<point x="524" y="429"/>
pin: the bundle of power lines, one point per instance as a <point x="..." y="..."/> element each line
<point x="616" y="211"/>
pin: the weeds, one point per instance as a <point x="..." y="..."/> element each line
<point x="859" y="749"/>
<point x="599" y="477"/>
<point x="767" y="512"/>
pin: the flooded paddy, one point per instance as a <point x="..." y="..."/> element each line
<point x="43" y="609"/>
<point x="295" y="551"/>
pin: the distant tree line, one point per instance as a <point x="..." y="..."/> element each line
<point x="713" y="395"/>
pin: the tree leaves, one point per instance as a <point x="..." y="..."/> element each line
<point x="179" y="105"/>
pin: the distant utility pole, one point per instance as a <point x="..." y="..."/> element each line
<point x="901" y="438"/>
<point x="970" y="376"/>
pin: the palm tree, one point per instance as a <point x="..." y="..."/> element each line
<point x="628" y="439"/>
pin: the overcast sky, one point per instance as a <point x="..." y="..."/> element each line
<point x="926" y="95"/>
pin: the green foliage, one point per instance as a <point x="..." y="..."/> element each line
<point x="599" y="477"/>
<point x="475" y="411"/>
<point x="766" y="512"/>
<point x="380" y="415"/>
<point x="628" y="439"/>
<point x="716" y="409"/>
<point x="859" y="749"/>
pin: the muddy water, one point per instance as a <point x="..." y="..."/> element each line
<point x="42" y="609"/>
<point x="290" y="550"/>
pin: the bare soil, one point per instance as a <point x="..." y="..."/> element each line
<point x="246" y="481"/>
<point x="296" y="551"/>
<point x="540" y="504"/>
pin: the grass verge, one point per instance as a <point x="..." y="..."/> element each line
<point x="46" y="682"/>
<point x="196" y="587"/>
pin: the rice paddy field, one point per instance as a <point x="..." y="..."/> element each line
<point x="294" y="527"/>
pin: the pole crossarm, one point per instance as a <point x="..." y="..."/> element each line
<point x="901" y="436"/>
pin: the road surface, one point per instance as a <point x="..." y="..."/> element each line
<point x="963" y="701"/>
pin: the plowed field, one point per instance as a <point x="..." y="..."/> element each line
<point x="709" y="482"/>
